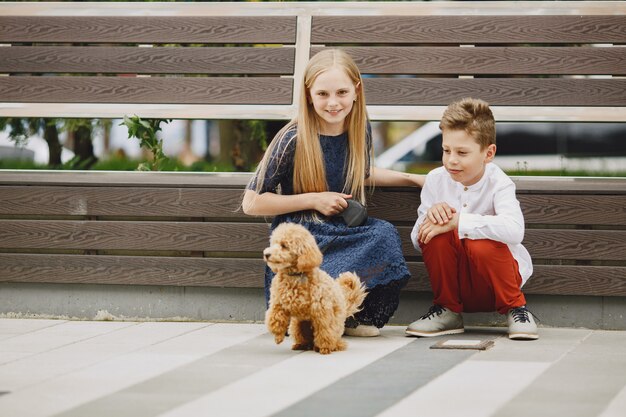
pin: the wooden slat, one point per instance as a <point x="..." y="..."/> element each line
<point x="570" y="185"/>
<point x="551" y="280"/>
<point x="157" y="90"/>
<point x="394" y="206"/>
<point x="468" y="29"/>
<point x="605" y="245"/>
<point x="497" y="91"/>
<point x="487" y="60"/>
<point x="553" y="244"/>
<point x="560" y="209"/>
<point x="286" y="112"/>
<point x="148" y="29"/>
<point x="169" y="60"/>
<point x="315" y="8"/>
<point x="132" y="270"/>
<point x="163" y="202"/>
<point x="524" y="184"/>
<point x="248" y="273"/>
<point x="120" y="201"/>
<point x="574" y="209"/>
<point x="577" y="280"/>
<point x="113" y="235"/>
<point x="163" y="179"/>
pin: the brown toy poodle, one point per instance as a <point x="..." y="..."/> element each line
<point x="304" y="298"/>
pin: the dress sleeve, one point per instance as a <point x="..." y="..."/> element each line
<point x="280" y="164"/>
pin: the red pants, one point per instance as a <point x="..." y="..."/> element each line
<point x="472" y="275"/>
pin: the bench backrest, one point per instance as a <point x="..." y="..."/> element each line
<point x="539" y="61"/>
<point x="185" y="230"/>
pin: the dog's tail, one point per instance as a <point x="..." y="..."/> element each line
<point x="353" y="290"/>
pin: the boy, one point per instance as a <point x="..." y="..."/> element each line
<point x="470" y="228"/>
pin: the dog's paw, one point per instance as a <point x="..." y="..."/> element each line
<point x="302" y="346"/>
<point x="323" y="350"/>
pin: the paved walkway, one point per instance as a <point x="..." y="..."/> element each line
<point x="91" y="369"/>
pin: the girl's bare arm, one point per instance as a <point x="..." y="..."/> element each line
<point x="381" y="176"/>
<point x="271" y="204"/>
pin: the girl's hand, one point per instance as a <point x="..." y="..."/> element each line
<point x="440" y="213"/>
<point x="330" y="203"/>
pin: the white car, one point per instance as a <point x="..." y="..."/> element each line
<point x="525" y="146"/>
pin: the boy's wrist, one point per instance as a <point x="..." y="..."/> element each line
<point x="454" y="222"/>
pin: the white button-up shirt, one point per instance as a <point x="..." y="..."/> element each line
<point x="487" y="210"/>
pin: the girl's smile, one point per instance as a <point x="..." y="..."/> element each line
<point x="332" y="95"/>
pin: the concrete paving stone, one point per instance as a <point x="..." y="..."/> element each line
<point x="294" y="378"/>
<point x="6" y="357"/>
<point x="224" y="369"/>
<point x="617" y="406"/>
<point x="472" y="389"/>
<point x="53" y="337"/>
<point x="551" y="345"/>
<point x="12" y="327"/>
<point x="83" y="353"/>
<point x="379" y="385"/>
<point x="580" y="384"/>
<point x="107" y="377"/>
<point x="187" y="383"/>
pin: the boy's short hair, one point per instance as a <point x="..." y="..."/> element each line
<point x="473" y="116"/>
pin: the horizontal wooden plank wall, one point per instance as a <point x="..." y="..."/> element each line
<point x="189" y="232"/>
<point x="176" y="52"/>
<point x="225" y="60"/>
<point x="501" y="59"/>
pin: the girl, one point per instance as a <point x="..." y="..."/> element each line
<point x="320" y="159"/>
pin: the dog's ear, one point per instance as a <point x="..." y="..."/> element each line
<point x="310" y="255"/>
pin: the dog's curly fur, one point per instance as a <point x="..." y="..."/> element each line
<point x="304" y="298"/>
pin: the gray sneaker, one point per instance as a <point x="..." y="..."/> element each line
<point x="438" y="321"/>
<point x="522" y="326"/>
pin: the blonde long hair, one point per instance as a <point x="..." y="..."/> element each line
<point x="309" y="174"/>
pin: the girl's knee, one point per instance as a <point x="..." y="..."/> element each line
<point x="387" y="228"/>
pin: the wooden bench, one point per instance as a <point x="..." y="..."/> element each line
<point x="180" y="229"/>
<point x="185" y="230"/>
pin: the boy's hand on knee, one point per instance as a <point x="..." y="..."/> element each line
<point x="440" y="213"/>
<point x="429" y="230"/>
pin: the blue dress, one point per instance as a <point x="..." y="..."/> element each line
<point x="373" y="251"/>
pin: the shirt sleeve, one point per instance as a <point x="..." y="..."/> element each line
<point x="506" y="226"/>
<point x="280" y="164"/>
<point x="427" y="199"/>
